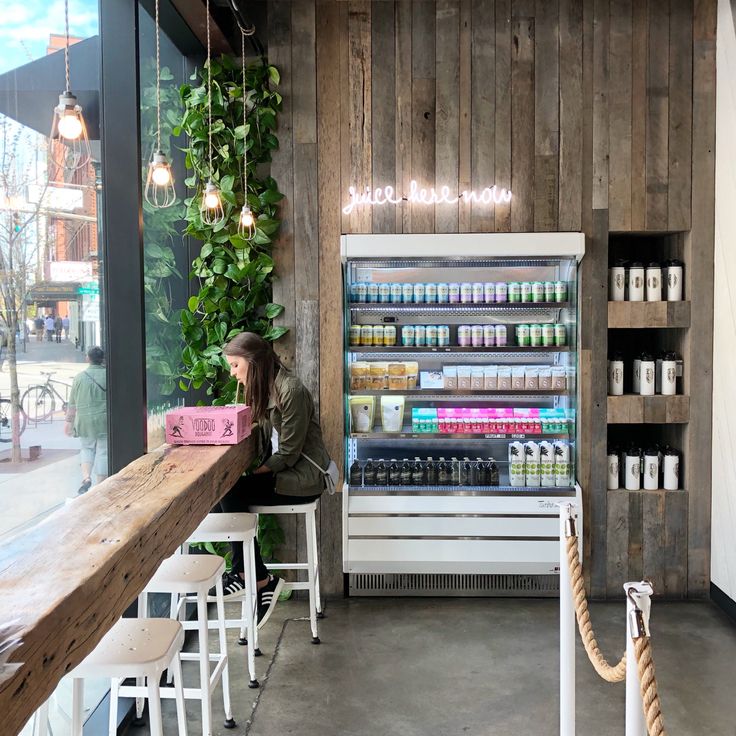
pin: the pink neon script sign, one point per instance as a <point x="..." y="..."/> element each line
<point x="417" y="195"/>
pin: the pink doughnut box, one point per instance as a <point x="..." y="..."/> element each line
<point x="208" y="425"/>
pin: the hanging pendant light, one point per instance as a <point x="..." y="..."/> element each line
<point x="247" y="223"/>
<point x="160" y="191"/>
<point x="72" y="151"/>
<point x="210" y="209"/>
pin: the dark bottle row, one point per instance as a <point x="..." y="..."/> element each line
<point x="429" y="472"/>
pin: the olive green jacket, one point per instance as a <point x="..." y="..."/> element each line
<point x="291" y="413"/>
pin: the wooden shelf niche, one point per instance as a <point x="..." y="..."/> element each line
<point x="637" y="315"/>
<point x="635" y="409"/>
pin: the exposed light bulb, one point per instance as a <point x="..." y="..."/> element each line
<point x="161" y="175"/>
<point x="246" y="217"/>
<point x="211" y="200"/>
<point x="70" y="126"/>
<point x="211" y="209"/>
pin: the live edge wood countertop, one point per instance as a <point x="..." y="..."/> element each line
<point x="67" y="580"/>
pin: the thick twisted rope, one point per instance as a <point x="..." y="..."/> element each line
<point x="601" y="666"/>
<point x="648" y="685"/>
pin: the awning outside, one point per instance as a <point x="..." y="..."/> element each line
<point x="49" y="291"/>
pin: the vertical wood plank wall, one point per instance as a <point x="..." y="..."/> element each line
<point x="600" y="116"/>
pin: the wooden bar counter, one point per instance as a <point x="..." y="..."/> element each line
<point x="67" y="580"/>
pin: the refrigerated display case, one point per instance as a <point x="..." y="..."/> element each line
<point x="460" y="402"/>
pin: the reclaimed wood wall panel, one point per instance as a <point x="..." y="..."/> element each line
<point x="586" y="109"/>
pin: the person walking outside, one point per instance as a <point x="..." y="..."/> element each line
<point x="49" y="323"/>
<point x="86" y="418"/>
<point x="289" y="475"/>
<point x="65" y="325"/>
<point x="40" y="326"/>
<point x="58" y="325"/>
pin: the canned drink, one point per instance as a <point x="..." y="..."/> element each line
<point x="407" y="293"/>
<point x="384" y="293"/>
<point x="560" y="334"/>
<point x="501" y="336"/>
<point x="489" y="292"/>
<point x="407" y="336"/>
<point x="366" y="335"/>
<point x="489" y="336"/>
<point x="478" y="293"/>
<point x="378" y="334"/>
<point x="463" y="335"/>
<point x="431" y="336"/>
<point x="355" y="334"/>
<point x="535" y="335"/>
<point x="537" y="291"/>
<point x="522" y="335"/>
<point x="372" y="293"/>
<point x="476" y="336"/>
<point x="430" y="293"/>
<point x="396" y="293"/>
<point x="418" y="293"/>
<point x="453" y="293"/>
<point x="549" y="291"/>
<point x="354" y="291"/>
<point x="361" y="293"/>
<point x="443" y="293"/>
<point x="560" y="291"/>
<point x="548" y="335"/>
<point x="466" y="293"/>
<point x="502" y="291"/>
<point x="443" y="335"/>
<point x="526" y="291"/>
<point x="389" y="335"/>
<point x="420" y="335"/>
<point x="514" y="291"/>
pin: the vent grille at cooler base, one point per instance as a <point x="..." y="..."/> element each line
<point x="442" y="584"/>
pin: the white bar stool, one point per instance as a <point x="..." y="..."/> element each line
<point x="181" y="575"/>
<point x="309" y="512"/>
<point x="237" y="527"/>
<point x="140" y="648"/>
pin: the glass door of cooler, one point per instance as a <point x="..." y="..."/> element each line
<point x="460" y="375"/>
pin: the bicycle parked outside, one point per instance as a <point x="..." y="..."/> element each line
<point x="6" y="420"/>
<point x="39" y="402"/>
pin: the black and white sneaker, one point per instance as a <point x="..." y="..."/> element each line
<point x="233" y="586"/>
<point x="268" y="596"/>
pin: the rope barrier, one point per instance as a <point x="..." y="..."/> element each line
<point x="600" y="664"/>
<point x="642" y="648"/>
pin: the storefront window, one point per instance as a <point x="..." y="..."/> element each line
<point x="166" y="267"/>
<point x="50" y="268"/>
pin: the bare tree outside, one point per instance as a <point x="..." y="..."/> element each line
<point x="21" y="233"/>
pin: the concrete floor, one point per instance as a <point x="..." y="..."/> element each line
<point x="468" y="667"/>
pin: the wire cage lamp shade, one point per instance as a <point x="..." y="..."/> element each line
<point x="211" y="209"/>
<point x="246" y="222"/>
<point x="159" y="191"/>
<point x="70" y="147"/>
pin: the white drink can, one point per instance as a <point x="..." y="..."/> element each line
<point x="476" y="336"/>
<point x="443" y="335"/>
<point x="489" y="292"/>
<point x="463" y="335"/>
<point x="478" y="293"/>
<point x="431" y="336"/>
<point x="501" y="335"/>
<point x="430" y="293"/>
<point x="419" y="293"/>
<point x="396" y="293"/>
<point x="420" y="335"/>
<point x="407" y="293"/>
<point x="373" y="293"/>
<point x="443" y="293"/>
<point x="407" y="336"/>
<point x="502" y="291"/>
<point x="466" y="293"/>
<point x="489" y="336"/>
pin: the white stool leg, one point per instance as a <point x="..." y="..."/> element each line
<point x="181" y="712"/>
<point x="41" y="720"/>
<point x="77" y="706"/>
<point x="155" y="720"/>
<point x="113" y="719"/>
<point x="254" y="595"/>
<point x="229" y="722"/>
<point x="311" y="564"/>
<point x="140" y="702"/>
<point x="318" y="597"/>
<point x="204" y="664"/>
<point x="249" y="607"/>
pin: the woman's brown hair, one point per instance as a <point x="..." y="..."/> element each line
<point x="263" y="365"/>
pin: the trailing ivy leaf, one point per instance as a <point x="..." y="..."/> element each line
<point x="273" y="74"/>
<point x="193" y="303"/>
<point x="273" y="310"/>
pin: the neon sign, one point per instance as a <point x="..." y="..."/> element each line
<point x="420" y="195"/>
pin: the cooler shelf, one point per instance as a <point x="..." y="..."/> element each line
<point x="457" y="436"/>
<point x="358" y="349"/>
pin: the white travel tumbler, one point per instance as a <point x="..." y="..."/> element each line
<point x="651" y="470"/>
<point x="671" y="470"/>
<point x="654" y="282"/>
<point x="637" y="375"/>
<point x="636" y="282"/>
<point x="633" y="469"/>
<point x="675" y="274"/>
<point x="616" y="376"/>
<point x="613" y="482"/>
<point x="669" y="374"/>
<point x="617" y="281"/>
<point x="646" y="380"/>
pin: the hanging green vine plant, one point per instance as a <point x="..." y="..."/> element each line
<point x="234" y="274"/>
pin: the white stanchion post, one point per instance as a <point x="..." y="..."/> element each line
<point x="637" y="596"/>
<point x="567" y="631"/>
